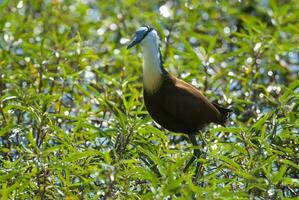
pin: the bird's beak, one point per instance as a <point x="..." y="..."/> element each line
<point x="138" y="37"/>
<point x="133" y="42"/>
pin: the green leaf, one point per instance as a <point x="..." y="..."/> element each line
<point x="261" y="122"/>
<point x="7" y="129"/>
<point x="277" y="177"/>
<point x="4" y="191"/>
<point x="31" y="140"/>
<point x="29" y="109"/>
<point x="235" y="130"/>
<point x="290" y="163"/>
<point x="80" y="155"/>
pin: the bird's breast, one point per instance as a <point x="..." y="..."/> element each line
<point x="155" y="105"/>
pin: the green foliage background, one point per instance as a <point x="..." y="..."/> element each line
<point x="72" y="120"/>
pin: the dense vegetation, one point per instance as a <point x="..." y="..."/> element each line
<point x="72" y="120"/>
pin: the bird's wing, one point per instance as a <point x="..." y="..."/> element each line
<point x="185" y="103"/>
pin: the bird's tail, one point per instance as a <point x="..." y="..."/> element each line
<point x="224" y="114"/>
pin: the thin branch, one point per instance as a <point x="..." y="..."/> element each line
<point x="206" y="83"/>
<point x="3" y="115"/>
<point x="246" y="145"/>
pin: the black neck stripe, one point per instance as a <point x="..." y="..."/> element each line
<point x="149" y="29"/>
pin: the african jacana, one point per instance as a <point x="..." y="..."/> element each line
<point x="174" y="104"/>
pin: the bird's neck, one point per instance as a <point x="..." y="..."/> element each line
<point x="153" y="70"/>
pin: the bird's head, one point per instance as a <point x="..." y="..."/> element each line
<point x="144" y="35"/>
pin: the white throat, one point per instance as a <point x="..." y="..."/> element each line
<point x="152" y="72"/>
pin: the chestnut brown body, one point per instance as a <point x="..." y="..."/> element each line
<point x="180" y="107"/>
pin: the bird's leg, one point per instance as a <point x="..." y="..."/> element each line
<point x="196" y="154"/>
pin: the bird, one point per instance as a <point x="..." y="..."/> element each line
<point x="173" y="103"/>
